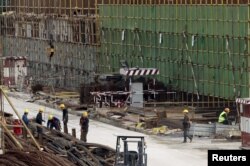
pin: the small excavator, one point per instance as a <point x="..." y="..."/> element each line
<point x="130" y="151"/>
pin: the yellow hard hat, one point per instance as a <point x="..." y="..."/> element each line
<point x="227" y="110"/>
<point x="26" y="110"/>
<point x="41" y="109"/>
<point x="84" y="114"/>
<point x="50" y="117"/>
<point x="62" y="106"/>
<point x="185" y="111"/>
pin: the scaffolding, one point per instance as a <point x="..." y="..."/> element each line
<point x="58" y="37"/>
<point x="1" y="119"/>
<point x="200" y="46"/>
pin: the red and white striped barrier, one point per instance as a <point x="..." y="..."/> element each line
<point x="243" y="101"/>
<point x="245" y="121"/>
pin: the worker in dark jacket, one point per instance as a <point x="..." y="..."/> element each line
<point x="84" y="123"/>
<point x="186" y="126"/>
<point x="223" y="118"/>
<point x="65" y="117"/>
<point x="53" y="122"/>
<point x="39" y="120"/>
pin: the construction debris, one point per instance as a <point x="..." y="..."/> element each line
<point x="71" y="150"/>
<point x="31" y="158"/>
<point x="78" y="152"/>
<point x="160" y="130"/>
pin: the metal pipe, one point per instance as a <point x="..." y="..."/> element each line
<point x="13" y="125"/>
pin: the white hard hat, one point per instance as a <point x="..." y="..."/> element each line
<point x="15" y="117"/>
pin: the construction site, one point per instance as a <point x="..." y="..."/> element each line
<point x="146" y="73"/>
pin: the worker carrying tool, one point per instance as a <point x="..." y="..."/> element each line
<point x="65" y="117"/>
<point x="17" y="129"/>
<point x="39" y="120"/>
<point x="84" y="123"/>
<point x="53" y="122"/>
<point x="223" y="118"/>
<point x="186" y="126"/>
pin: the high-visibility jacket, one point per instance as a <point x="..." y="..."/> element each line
<point x="222" y="117"/>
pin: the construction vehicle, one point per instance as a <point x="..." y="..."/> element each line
<point x="130" y="151"/>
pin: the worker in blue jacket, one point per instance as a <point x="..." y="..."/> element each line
<point x="53" y="122"/>
<point x="26" y="121"/>
<point x="25" y="117"/>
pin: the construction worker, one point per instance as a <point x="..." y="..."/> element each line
<point x="39" y="120"/>
<point x="53" y="122"/>
<point x="223" y="118"/>
<point x="84" y="123"/>
<point x="25" y="117"/>
<point x="186" y="126"/>
<point x="64" y="118"/>
<point x="17" y="129"/>
<point x="26" y="121"/>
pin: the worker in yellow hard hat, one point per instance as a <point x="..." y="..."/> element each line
<point x="85" y="114"/>
<point x="39" y="120"/>
<point x="53" y="122"/>
<point x="223" y="117"/>
<point x="25" y="120"/>
<point x="62" y="106"/>
<point x="65" y="117"/>
<point x="185" y="111"/>
<point x="25" y="116"/>
<point x="186" y="126"/>
<point x="50" y="117"/>
<point x="84" y="123"/>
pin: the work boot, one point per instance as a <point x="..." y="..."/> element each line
<point x="184" y="142"/>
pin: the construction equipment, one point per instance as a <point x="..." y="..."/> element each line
<point x="130" y="155"/>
